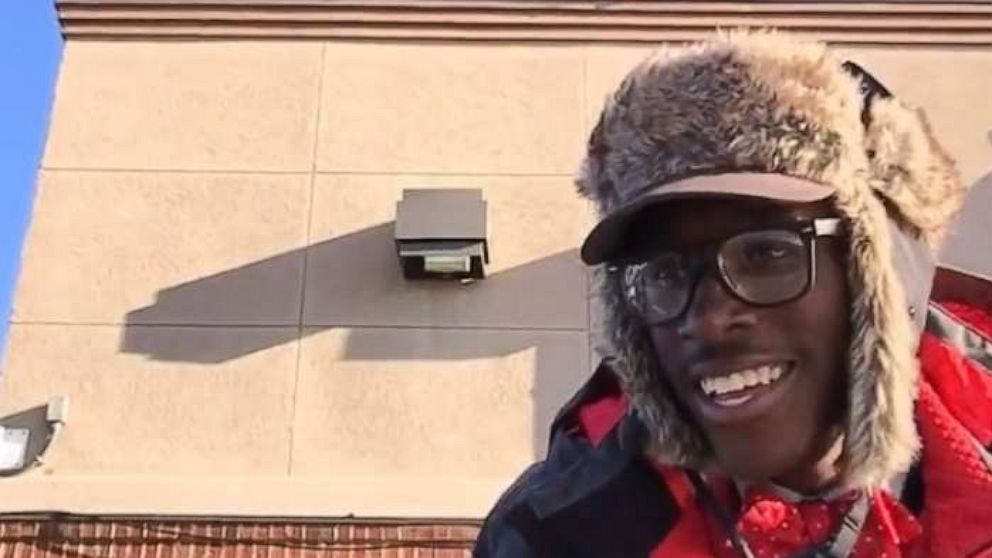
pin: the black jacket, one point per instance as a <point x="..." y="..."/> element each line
<point x="556" y="508"/>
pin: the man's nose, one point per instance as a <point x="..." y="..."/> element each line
<point x="715" y="313"/>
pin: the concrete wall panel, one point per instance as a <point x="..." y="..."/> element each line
<point x="164" y="248"/>
<point x="130" y="415"/>
<point x="450" y="108"/>
<point x="430" y="402"/>
<point x="186" y="106"/>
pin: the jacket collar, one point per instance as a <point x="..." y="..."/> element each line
<point x="608" y="501"/>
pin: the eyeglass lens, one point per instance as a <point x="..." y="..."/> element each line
<point x="762" y="267"/>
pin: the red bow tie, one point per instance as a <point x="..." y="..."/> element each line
<point x="773" y="527"/>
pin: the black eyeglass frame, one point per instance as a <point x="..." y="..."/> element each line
<point x="807" y="229"/>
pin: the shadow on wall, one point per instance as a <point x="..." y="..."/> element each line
<point x="969" y="244"/>
<point x="354" y="281"/>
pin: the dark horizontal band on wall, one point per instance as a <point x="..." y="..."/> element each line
<point x="905" y="22"/>
<point x="58" y="536"/>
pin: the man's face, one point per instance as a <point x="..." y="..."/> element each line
<point x="797" y="351"/>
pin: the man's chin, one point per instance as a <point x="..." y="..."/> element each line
<point x="753" y="463"/>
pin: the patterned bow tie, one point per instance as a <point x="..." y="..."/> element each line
<point x="775" y="528"/>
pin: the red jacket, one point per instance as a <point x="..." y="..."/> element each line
<point x="597" y="495"/>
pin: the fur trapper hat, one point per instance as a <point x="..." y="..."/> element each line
<point x="765" y="102"/>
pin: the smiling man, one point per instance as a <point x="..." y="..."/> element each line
<point x="744" y="301"/>
<point x="781" y="381"/>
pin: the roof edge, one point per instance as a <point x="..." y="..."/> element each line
<point x="880" y="22"/>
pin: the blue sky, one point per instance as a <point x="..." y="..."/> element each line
<point x="30" y="50"/>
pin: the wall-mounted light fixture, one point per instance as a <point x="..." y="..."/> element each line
<point x="13" y="448"/>
<point x="27" y="436"/>
<point x="441" y="234"/>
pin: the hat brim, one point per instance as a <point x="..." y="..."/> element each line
<point x="607" y="239"/>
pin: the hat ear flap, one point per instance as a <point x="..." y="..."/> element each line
<point x="869" y="87"/>
<point x="909" y="170"/>
<point x="592" y="181"/>
<point x="912" y="174"/>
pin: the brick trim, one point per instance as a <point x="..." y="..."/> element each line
<point x="54" y="536"/>
<point x="879" y="22"/>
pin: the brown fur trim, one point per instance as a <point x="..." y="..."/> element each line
<point x="880" y="438"/>
<point x="912" y="171"/>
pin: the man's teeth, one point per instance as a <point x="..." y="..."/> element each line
<point x="742" y="379"/>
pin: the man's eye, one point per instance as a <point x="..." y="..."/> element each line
<point x="661" y="274"/>
<point x="767" y="253"/>
<point x="667" y="273"/>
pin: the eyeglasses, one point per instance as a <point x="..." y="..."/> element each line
<point x="764" y="267"/>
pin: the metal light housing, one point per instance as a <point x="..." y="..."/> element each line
<point x="442" y="234"/>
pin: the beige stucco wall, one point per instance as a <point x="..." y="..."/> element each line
<point x="209" y="274"/>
